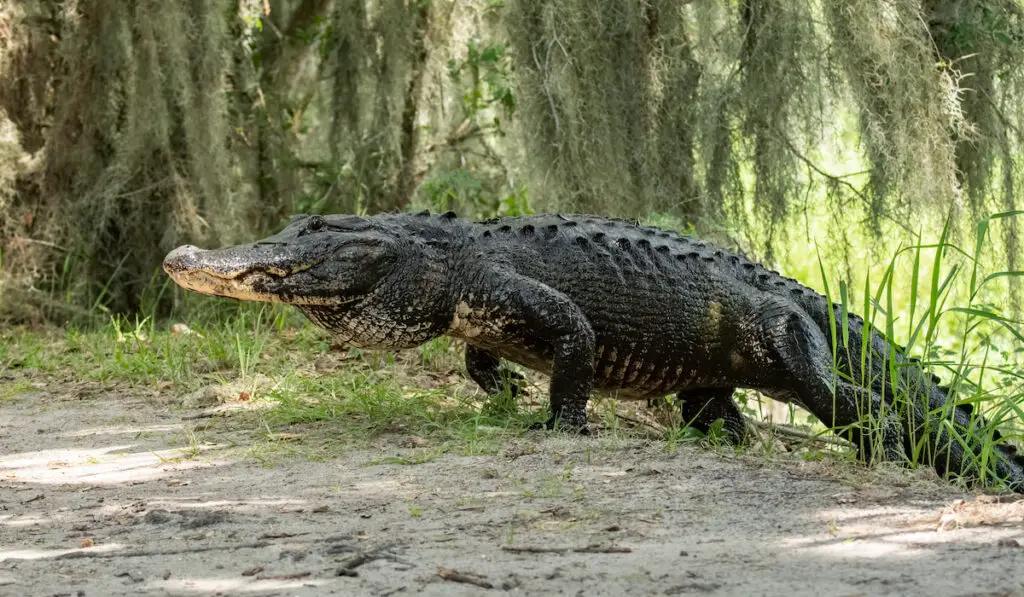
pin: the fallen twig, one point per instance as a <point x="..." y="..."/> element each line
<point x="469" y="579"/>
<point x="38" y="242"/>
<point x="600" y="549"/>
<point x="281" y="535"/>
<point x="587" y="549"/>
<point x="530" y="549"/>
<point x="286" y="576"/>
<point x="795" y="433"/>
<point x="141" y="553"/>
<point x="348" y="567"/>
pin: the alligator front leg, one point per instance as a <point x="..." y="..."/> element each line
<point x="508" y="307"/>
<point x="486" y="370"/>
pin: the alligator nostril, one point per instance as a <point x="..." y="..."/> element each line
<point x="179" y="258"/>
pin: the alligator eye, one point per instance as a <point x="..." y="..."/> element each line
<point x="315" y="224"/>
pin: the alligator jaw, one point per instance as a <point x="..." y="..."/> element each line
<point x="191" y="268"/>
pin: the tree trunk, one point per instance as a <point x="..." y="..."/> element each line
<point x="406" y="184"/>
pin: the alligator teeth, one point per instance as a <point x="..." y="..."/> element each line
<point x="281" y="272"/>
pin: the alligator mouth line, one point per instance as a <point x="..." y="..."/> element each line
<point x="239" y="283"/>
<point x="241" y="286"/>
<point x="270" y="270"/>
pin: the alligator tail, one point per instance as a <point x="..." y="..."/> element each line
<point x="955" y="437"/>
<point x="960" y="453"/>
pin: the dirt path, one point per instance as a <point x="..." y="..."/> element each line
<point x="109" y="495"/>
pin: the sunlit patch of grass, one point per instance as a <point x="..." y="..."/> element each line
<point x="352" y="407"/>
<point x="10" y="392"/>
<point x="23" y="350"/>
<point x="139" y="351"/>
<point x="370" y="394"/>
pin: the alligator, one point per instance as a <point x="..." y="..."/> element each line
<point x="608" y="305"/>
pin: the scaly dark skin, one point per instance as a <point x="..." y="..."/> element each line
<point x="598" y="305"/>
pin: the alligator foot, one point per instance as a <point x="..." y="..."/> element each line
<point x="488" y="372"/>
<point x="700" y="409"/>
<point x="512" y="380"/>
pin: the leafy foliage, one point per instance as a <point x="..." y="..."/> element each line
<point x="756" y="111"/>
<point x="470" y="174"/>
<point x="126" y="132"/>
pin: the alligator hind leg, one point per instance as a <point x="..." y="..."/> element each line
<point x="701" y="408"/>
<point x="487" y="371"/>
<point x="799" y="356"/>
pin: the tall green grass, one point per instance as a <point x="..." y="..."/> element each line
<point x="952" y="330"/>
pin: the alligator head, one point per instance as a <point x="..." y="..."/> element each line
<point x="362" y="278"/>
<point x="315" y="260"/>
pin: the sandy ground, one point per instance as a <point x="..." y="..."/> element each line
<point x="102" y="494"/>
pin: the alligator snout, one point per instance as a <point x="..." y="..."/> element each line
<point x="220" y="272"/>
<point x="184" y="258"/>
<point x="227" y="264"/>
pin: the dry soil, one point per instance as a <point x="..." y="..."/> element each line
<point x="105" y="494"/>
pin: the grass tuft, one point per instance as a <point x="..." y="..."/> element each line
<point x="949" y="331"/>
